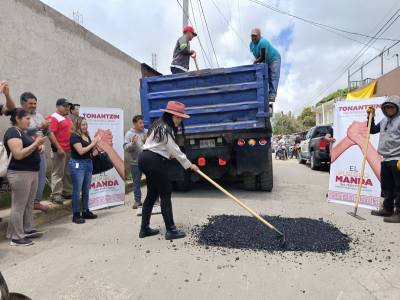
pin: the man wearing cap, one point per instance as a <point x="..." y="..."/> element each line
<point x="60" y="126"/>
<point x="265" y="53"/>
<point x="182" y="52"/>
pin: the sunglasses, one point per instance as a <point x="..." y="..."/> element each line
<point x="390" y="107"/>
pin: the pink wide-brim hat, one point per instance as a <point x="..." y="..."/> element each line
<point x="176" y="108"/>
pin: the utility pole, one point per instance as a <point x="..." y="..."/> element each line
<point x="154" y="60"/>
<point x="185" y="13"/>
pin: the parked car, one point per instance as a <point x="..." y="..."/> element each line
<point x="314" y="148"/>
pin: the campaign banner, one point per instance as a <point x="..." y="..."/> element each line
<point x="108" y="188"/>
<point x="350" y="129"/>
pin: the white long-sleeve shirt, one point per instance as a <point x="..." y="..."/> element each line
<point x="167" y="149"/>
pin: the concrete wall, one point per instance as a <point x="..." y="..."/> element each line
<point x="388" y="84"/>
<point x="46" y="53"/>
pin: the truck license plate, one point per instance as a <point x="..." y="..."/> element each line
<point x="207" y="143"/>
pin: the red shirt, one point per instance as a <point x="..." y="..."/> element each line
<point x="60" y="126"/>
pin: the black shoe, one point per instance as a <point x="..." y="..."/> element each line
<point x="33" y="234"/>
<point x="78" y="220"/>
<point x="382" y="212"/>
<point x="89" y="215"/>
<point x="174" y="234"/>
<point x="145" y="232"/>
<point x="21" y="242"/>
<point x="395" y="218"/>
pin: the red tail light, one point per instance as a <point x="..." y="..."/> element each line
<point x="201" y="161"/>
<point x="262" y="142"/>
<point x="322" y="144"/>
<point x="222" y="162"/>
<point x="241" y="142"/>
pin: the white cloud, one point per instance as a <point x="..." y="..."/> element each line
<point x="315" y="56"/>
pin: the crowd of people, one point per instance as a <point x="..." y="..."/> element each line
<point x="25" y="142"/>
<point x="72" y="153"/>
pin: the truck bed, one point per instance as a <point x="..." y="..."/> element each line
<point x="225" y="99"/>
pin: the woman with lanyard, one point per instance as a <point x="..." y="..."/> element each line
<point x="81" y="167"/>
<point x="161" y="146"/>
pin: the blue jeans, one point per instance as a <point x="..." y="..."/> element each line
<point x="81" y="173"/>
<point x="274" y="72"/>
<point x="42" y="178"/>
<point x="137" y="178"/>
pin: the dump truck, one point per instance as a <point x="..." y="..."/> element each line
<point x="229" y="132"/>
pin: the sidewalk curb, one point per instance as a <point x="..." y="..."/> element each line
<point x="55" y="212"/>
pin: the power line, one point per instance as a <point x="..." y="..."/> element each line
<point x="227" y="22"/>
<point x="208" y="31"/>
<point x="204" y="30"/>
<point x="380" y="32"/>
<point x="201" y="45"/>
<point x="195" y="24"/>
<point x="320" y="25"/>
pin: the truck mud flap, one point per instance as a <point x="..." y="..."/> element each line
<point x="252" y="160"/>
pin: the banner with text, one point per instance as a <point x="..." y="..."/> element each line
<point x="108" y="188"/>
<point x="350" y="129"/>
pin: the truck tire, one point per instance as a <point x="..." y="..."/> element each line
<point x="250" y="182"/>
<point x="184" y="185"/>
<point x="266" y="177"/>
<point x="301" y="161"/>
<point x="314" y="163"/>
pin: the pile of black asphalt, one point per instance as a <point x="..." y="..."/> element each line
<point x="247" y="233"/>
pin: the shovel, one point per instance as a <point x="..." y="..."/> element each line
<point x="371" y="113"/>
<point x="195" y="62"/>
<point x="252" y="212"/>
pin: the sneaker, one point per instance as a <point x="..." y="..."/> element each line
<point x="174" y="234"/>
<point x="33" y="234"/>
<point x="395" y="218"/>
<point x="40" y="206"/>
<point x="66" y="196"/>
<point x="136" y="205"/>
<point x="21" y="242"/>
<point x="78" y="220"/>
<point x="89" y="215"/>
<point x="382" y="212"/>
<point x="145" y="232"/>
<point x="57" y="200"/>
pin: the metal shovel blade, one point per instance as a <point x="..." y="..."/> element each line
<point x="355" y="216"/>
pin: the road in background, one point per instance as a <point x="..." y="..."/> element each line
<point x="105" y="259"/>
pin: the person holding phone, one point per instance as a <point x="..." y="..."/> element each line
<point x="23" y="177"/>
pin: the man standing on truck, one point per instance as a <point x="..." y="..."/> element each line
<point x="265" y="53"/>
<point x="182" y="52"/>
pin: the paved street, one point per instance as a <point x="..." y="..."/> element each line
<point x="105" y="259"/>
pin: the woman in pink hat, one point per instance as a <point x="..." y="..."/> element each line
<point x="161" y="146"/>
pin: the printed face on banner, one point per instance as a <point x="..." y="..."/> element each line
<point x="108" y="187"/>
<point x="351" y="130"/>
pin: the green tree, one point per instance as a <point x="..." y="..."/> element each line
<point x="338" y="93"/>
<point x="284" y="123"/>
<point x="306" y="119"/>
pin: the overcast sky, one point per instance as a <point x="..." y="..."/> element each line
<point x="312" y="58"/>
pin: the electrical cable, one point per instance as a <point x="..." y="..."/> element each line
<point x="208" y="31"/>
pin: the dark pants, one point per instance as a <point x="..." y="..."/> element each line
<point x="390" y="184"/>
<point x="176" y="70"/>
<point x="155" y="168"/>
<point x="137" y="180"/>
